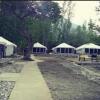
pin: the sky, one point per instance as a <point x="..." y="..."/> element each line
<point x="83" y="11"/>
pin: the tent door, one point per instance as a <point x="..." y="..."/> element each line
<point x="1" y="51"/>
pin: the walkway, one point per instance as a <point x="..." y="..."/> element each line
<point x="30" y="84"/>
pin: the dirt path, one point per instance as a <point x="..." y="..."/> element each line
<point x="65" y="84"/>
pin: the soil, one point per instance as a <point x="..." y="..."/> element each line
<point x="65" y="82"/>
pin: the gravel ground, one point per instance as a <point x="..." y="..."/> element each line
<point x="66" y="82"/>
<point x="95" y="68"/>
<point x="5" y="89"/>
<point x="10" y="65"/>
<point x="11" y="68"/>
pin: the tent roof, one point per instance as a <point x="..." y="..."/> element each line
<point x="2" y="43"/>
<point x="38" y="45"/>
<point x="88" y="45"/>
<point x="63" y="45"/>
<point x="6" y="42"/>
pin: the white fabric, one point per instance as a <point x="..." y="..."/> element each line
<point x="63" y="45"/>
<point x="2" y="43"/>
<point x="9" y="50"/>
<point x="88" y="45"/>
<point x="38" y="45"/>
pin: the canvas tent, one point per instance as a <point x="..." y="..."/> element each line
<point x="9" y="46"/>
<point x="39" y="48"/>
<point x="89" y="49"/>
<point x="64" y="48"/>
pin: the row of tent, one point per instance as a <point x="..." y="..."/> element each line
<point x="65" y="48"/>
<point x="8" y="48"/>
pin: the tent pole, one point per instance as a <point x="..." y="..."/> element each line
<point x="64" y="50"/>
<point x="55" y="50"/>
<point x="60" y="50"/>
<point x="89" y="51"/>
<point x="68" y="51"/>
<point x="36" y="50"/>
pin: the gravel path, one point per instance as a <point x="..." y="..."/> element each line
<point x="66" y="83"/>
<point x="5" y="89"/>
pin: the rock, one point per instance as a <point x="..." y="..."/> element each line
<point x="5" y="89"/>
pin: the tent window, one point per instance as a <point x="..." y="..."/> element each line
<point x="41" y="50"/>
<point x="66" y="50"/>
<point x="34" y="49"/>
<point x="91" y="51"/>
<point x="95" y="50"/>
<point x="62" y="50"/>
<point x="37" y="49"/>
<point x="58" y="50"/>
<point x="70" y="50"/>
<point x="86" y="50"/>
<point x="99" y="51"/>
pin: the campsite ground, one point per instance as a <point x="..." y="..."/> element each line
<point x="65" y="79"/>
<point x="68" y="81"/>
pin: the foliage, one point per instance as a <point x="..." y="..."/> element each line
<point x="32" y="20"/>
<point x="26" y="22"/>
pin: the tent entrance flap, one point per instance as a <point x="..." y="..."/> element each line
<point x="2" y="51"/>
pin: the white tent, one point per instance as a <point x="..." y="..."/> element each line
<point x="64" y="48"/>
<point x="88" y="48"/>
<point x="39" y="48"/>
<point x="9" y="50"/>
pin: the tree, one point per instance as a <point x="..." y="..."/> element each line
<point x="65" y="24"/>
<point x="98" y="9"/>
<point x="80" y="36"/>
<point x="25" y="10"/>
<point x="91" y="25"/>
<point x="97" y="27"/>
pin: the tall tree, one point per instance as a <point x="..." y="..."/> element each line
<point x="24" y="10"/>
<point x="65" y="24"/>
<point x="91" y="25"/>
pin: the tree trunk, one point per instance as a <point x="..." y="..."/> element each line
<point x="28" y="49"/>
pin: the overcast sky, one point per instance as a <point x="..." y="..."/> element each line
<point x="83" y="11"/>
